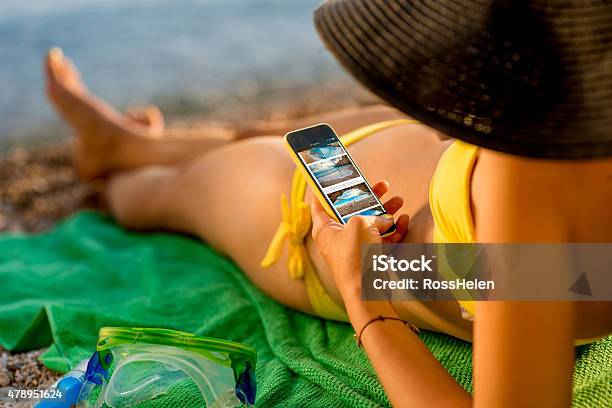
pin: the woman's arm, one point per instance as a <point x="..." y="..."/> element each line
<point x="523" y="351"/>
<point x="523" y="354"/>
<point x="523" y="357"/>
<point x="410" y="374"/>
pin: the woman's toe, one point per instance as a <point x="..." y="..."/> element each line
<point x="72" y="76"/>
<point x="154" y="117"/>
<point x="149" y="116"/>
<point x="62" y="72"/>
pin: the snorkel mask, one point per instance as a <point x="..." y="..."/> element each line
<point x="132" y="366"/>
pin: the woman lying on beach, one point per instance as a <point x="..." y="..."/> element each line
<point x="227" y="193"/>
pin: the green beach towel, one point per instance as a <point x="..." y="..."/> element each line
<point x="57" y="289"/>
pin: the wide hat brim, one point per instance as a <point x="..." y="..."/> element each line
<point x="527" y="78"/>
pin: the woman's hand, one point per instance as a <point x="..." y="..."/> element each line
<point x="410" y="374"/>
<point x="340" y="245"/>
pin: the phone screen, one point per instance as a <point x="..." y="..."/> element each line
<point x="336" y="175"/>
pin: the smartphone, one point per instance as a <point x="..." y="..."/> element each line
<point x="332" y="174"/>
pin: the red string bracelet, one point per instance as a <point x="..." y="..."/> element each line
<point x="383" y="318"/>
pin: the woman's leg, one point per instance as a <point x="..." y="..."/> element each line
<point x="109" y="141"/>
<point x="99" y="126"/>
<point x="226" y="194"/>
<point x="229" y="198"/>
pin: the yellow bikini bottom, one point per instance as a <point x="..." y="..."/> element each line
<point x="295" y="226"/>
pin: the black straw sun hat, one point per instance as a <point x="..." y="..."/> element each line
<point x="530" y="78"/>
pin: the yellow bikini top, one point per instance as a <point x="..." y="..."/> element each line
<point x="450" y="201"/>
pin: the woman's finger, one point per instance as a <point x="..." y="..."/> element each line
<point x="394" y="204"/>
<point x="381" y="223"/>
<point x="401" y="229"/>
<point x="320" y="218"/>
<point x="364" y="229"/>
<point x="380" y="188"/>
<point x="319" y="215"/>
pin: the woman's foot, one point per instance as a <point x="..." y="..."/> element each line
<point x="98" y="126"/>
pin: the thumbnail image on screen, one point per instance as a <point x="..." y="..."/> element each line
<point x="378" y="210"/>
<point x="352" y="199"/>
<point x="334" y="171"/>
<point x="323" y="152"/>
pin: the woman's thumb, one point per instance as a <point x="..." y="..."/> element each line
<point x="381" y="223"/>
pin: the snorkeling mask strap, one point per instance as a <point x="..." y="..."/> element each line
<point x="246" y="386"/>
<point x="96" y="371"/>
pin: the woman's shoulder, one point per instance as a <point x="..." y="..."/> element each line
<point x="520" y="199"/>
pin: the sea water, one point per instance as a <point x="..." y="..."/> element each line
<point x="133" y="51"/>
